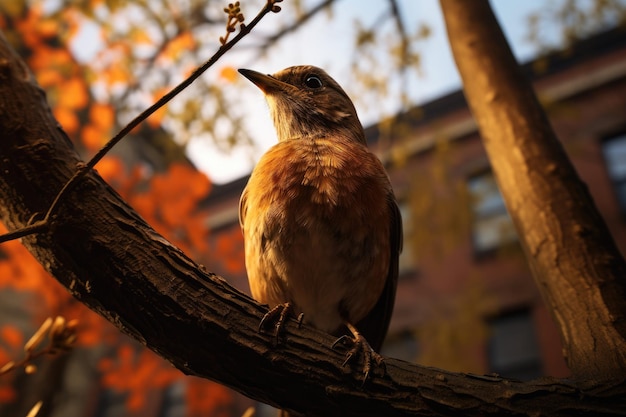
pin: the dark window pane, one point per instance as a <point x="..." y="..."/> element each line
<point x="620" y="189"/>
<point x="513" y="349"/>
<point x="614" y="150"/>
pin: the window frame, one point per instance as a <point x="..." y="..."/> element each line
<point x="496" y="214"/>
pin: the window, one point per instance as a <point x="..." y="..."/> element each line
<point x="491" y="225"/>
<point x="614" y="150"/>
<point x="513" y="348"/>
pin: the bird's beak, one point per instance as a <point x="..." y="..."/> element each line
<point x="266" y="83"/>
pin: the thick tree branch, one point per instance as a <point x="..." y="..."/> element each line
<point x="576" y="264"/>
<point x="116" y="264"/>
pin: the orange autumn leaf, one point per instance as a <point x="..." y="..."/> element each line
<point x="67" y="118"/>
<point x="110" y="168"/>
<point x="170" y="205"/>
<point x="11" y="336"/>
<point x="74" y="94"/>
<point x="102" y="115"/>
<point x="181" y="180"/>
<point x="49" y="77"/>
<point x="116" y="74"/>
<point x="36" y="26"/>
<point x="145" y="205"/>
<point x="201" y="185"/>
<point x="229" y="250"/>
<point x="46" y="57"/>
<point x="178" y="192"/>
<point x="207" y="398"/>
<point x="30" y="37"/>
<point x="190" y="180"/>
<point x="136" y="373"/>
<point x="140" y="36"/>
<point x="48" y="28"/>
<point x="93" y="137"/>
<point x="21" y="272"/>
<point x="135" y="402"/>
<point x="229" y="74"/>
<point x="173" y="214"/>
<point x="184" y="41"/>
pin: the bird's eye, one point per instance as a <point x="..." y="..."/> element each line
<point x="313" y="81"/>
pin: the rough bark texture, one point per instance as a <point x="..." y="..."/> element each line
<point x="578" y="268"/>
<point x="112" y="261"/>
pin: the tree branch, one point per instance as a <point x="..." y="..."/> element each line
<point x="575" y="262"/>
<point x="115" y="263"/>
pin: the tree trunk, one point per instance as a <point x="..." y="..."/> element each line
<point x="574" y="260"/>
<point x="113" y="262"/>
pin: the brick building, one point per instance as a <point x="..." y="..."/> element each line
<point x="466" y="300"/>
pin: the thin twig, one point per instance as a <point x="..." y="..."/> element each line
<point x="37" y="226"/>
<point x="33" y="228"/>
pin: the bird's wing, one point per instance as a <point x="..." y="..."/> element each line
<point x="374" y="326"/>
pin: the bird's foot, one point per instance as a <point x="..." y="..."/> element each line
<point x="278" y="316"/>
<point x="360" y="345"/>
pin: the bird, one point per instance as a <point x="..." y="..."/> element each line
<point x="321" y="225"/>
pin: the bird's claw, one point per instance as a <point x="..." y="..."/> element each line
<point x="360" y="345"/>
<point x="278" y="314"/>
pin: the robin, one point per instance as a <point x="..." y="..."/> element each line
<point x="321" y="225"/>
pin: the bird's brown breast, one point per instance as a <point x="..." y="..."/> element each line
<point x="315" y="216"/>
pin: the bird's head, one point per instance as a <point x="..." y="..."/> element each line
<point x="306" y="101"/>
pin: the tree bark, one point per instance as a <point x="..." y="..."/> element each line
<point x="574" y="260"/>
<point x="116" y="264"/>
